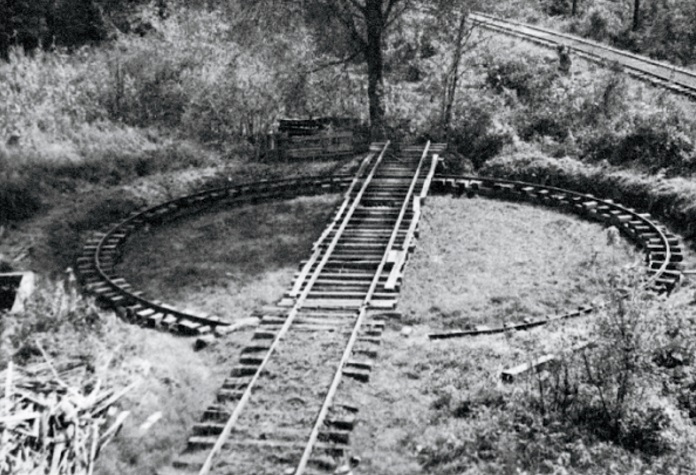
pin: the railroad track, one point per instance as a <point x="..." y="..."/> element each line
<point x="678" y="80"/>
<point x="284" y="408"/>
<point x="663" y="252"/>
<point x="279" y="411"/>
<point x="96" y="266"/>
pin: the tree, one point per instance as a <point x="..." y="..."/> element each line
<point x="363" y="27"/>
<point x="636" y="15"/>
<point x="349" y="30"/>
<point x="449" y="26"/>
<point x="47" y="23"/>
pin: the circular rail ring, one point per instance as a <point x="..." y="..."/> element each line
<point x="663" y="250"/>
<point x="99" y="256"/>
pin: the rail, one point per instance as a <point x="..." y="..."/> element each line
<point x="662" y="250"/>
<point x="358" y="323"/>
<point x="205" y="470"/>
<point x="679" y="79"/>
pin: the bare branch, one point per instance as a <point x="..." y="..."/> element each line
<point x="345" y="60"/>
<point x="359" y="6"/>
<point x="396" y="16"/>
<point x="390" y="7"/>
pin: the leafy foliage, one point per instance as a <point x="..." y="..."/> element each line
<point x="614" y="399"/>
<point x="476" y="134"/>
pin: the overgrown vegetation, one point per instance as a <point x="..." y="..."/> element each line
<point x="672" y="200"/>
<point x="665" y="29"/>
<point x="171" y="381"/>
<point x="185" y="93"/>
<point x="180" y="86"/>
<point x="523" y="98"/>
<point x="623" y="403"/>
<point x="621" y="397"/>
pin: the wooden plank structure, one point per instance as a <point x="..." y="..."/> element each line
<point x="53" y="420"/>
<point x="322" y="137"/>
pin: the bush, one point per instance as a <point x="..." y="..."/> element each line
<point x="654" y="141"/>
<point x="528" y="75"/>
<point x="670" y="33"/>
<point x="545" y="121"/>
<point x="557" y="7"/>
<point x="607" y="388"/>
<point x="477" y="137"/>
<point x="672" y="200"/>
<point x="601" y="23"/>
<point x="19" y="199"/>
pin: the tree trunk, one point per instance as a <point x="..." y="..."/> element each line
<point x="375" y="65"/>
<point x="636" y="15"/>
<point x="452" y="77"/>
<point x="574" y="10"/>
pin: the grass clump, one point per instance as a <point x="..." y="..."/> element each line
<point x="615" y="400"/>
<point x="671" y="199"/>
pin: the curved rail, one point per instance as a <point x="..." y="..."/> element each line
<point x="390" y="202"/>
<point x="663" y="252"/>
<point x="99" y="256"/>
<point x="679" y="80"/>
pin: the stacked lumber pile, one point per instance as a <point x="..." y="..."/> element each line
<point x="54" y="419"/>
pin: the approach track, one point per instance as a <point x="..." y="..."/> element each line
<point x="660" y="74"/>
<point x="284" y="408"/>
<point x="280" y="409"/>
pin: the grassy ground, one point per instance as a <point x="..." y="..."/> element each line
<point x="50" y="241"/>
<point x="174" y="381"/>
<point x="228" y="261"/>
<point x="172" y="378"/>
<point x="214" y="263"/>
<point x="439" y="406"/>
<point x="481" y="261"/>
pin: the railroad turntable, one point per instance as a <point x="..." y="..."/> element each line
<point x="336" y="309"/>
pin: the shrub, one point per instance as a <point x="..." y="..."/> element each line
<point x="557" y="7"/>
<point x="528" y="75"/>
<point x="600" y="144"/>
<point x="670" y="33"/>
<point x="18" y="200"/>
<point x="544" y="121"/>
<point x="607" y="387"/>
<point x="601" y="23"/>
<point x="656" y="142"/>
<point x="477" y="137"/>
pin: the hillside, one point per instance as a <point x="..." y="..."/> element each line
<point x="112" y="106"/>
